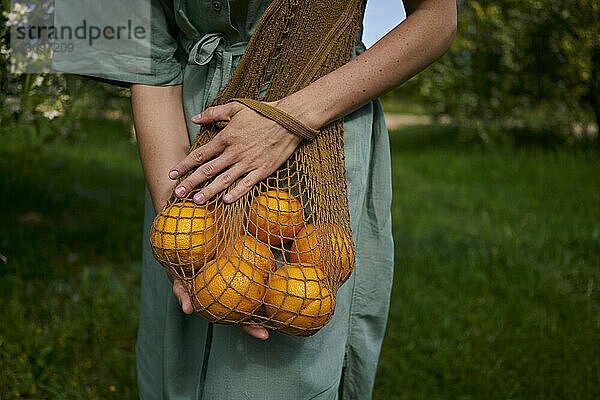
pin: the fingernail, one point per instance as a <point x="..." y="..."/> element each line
<point x="227" y="198"/>
<point x="263" y="336"/>
<point x="196" y="118"/>
<point x="173" y="174"/>
<point x="180" y="191"/>
<point x="199" y="198"/>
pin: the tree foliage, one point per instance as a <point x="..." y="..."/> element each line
<point x="532" y="64"/>
<point x="48" y="106"/>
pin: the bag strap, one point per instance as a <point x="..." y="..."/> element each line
<point x="284" y="119"/>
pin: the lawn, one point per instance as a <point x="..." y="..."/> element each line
<point x="497" y="272"/>
<point x="497" y="282"/>
<point x="72" y="214"/>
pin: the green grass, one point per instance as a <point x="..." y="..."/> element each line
<point x="497" y="272"/>
<point x="397" y="105"/>
<point x="496" y="293"/>
<point x="69" y="293"/>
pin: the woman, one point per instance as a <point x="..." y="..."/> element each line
<point x="181" y="355"/>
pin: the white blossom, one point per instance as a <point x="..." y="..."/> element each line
<point x="51" y="114"/>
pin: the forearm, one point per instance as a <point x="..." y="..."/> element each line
<point x="161" y="135"/>
<point x="252" y="147"/>
<point x="423" y="37"/>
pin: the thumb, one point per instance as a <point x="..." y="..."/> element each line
<point x="255" y="331"/>
<point x="180" y="291"/>
<point x="223" y="112"/>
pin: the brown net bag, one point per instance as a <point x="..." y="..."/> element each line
<point x="277" y="256"/>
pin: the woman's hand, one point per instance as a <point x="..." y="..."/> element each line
<point x="180" y="291"/>
<point x="250" y="145"/>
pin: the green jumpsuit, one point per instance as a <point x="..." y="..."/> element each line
<point x="198" y="43"/>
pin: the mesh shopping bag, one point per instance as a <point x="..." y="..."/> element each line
<point x="278" y="255"/>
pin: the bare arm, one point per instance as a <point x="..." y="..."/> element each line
<point x="253" y="147"/>
<point x="410" y="47"/>
<point x="163" y="141"/>
<point x="161" y="135"/>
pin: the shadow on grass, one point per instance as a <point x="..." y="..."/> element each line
<point x="65" y="203"/>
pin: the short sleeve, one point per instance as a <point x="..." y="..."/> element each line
<point x="122" y="42"/>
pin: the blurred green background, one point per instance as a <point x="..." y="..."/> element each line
<point x="496" y="211"/>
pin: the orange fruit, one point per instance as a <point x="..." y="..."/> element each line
<point x="275" y="217"/>
<point x="306" y="250"/>
<point x="251" y="250"/>
<point x="343" y="252"/>
<point x="228" y="290"/>
<point x="183" y="234"/>
<point x="298" y="298"/>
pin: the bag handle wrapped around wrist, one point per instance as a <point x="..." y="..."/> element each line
<point x="284" y="119"/>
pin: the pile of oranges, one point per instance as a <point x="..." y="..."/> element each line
<point x="276" y="271"/>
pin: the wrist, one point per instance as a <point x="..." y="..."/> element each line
<point x="303" y="110"/>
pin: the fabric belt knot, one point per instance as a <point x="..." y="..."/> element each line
<point x="212" y="51"/>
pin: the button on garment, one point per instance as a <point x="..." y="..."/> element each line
<point x="198" y="43"/>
